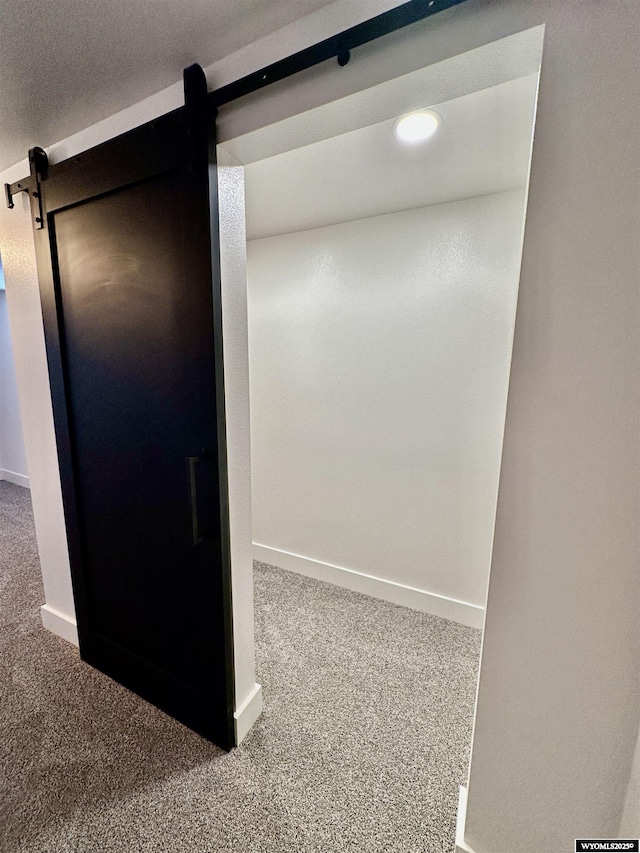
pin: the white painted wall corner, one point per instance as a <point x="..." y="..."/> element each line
<point x="248" y="713"/>
<point x="59" y="624"/>
<point x="630" y="824"/>
<point x="461" y="845"/>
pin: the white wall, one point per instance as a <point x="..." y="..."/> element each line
<point x="559" y="702"/>
<point x="233" y="268"/>
<point x="25" y="316"/>
<point x="379" y="361"/>
<point x="13" y="463"/>
<point x="630" y="824"/>
<point x="559" y="705"/>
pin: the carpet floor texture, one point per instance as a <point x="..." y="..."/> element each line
<point x="362" y="744"/>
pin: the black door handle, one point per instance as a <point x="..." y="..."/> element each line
<point x="193" y="496"/>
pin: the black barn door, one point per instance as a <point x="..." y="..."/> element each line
<point x="128" y="260"/>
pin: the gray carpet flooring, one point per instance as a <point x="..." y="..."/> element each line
<point x="361" y="747"/>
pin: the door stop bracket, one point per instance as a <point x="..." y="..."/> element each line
<point x="38" y="165"/>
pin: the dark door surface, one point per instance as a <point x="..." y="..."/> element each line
<point x="129" y="274"/>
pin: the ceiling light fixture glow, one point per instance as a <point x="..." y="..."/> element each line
<point x="417" y="127"/>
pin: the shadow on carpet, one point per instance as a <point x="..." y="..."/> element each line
<point x="361" y="747"/>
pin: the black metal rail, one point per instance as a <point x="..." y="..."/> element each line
<point x="338" y="46"/>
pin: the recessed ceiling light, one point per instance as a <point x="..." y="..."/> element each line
<point x="416" y="127"/>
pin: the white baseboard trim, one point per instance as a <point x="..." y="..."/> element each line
<point x="12" y="477"/>
<point x="59" y="624"/>
<point x="248" y="713"/>
<point x="461" y="845"/>
<point x="396" y="593"/>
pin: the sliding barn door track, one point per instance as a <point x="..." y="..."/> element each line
<point x="338" y="46"/>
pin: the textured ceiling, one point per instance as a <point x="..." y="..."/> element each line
<point x="482" y="147"/>
<point x="65" y="64"/>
